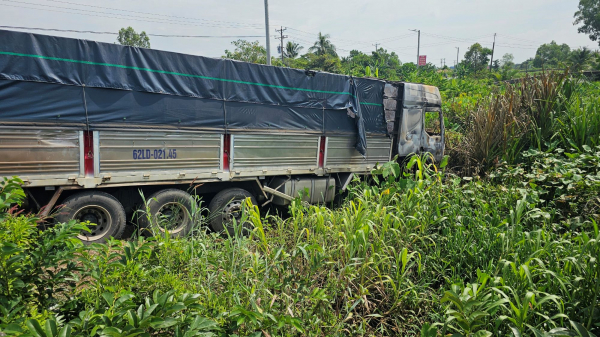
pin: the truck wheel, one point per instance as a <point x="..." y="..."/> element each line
<point x="226" y="206"/>
<point x="98" y="208"/>
<point x="170" y="210"/>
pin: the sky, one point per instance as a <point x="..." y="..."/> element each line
<point x="521" y="25"/>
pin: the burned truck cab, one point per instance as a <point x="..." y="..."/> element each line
<point x="415" y="119"/>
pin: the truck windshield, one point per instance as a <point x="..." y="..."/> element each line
<point x="432" y="123"/>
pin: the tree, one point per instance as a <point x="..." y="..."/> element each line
<point x="496" y="65"/>
<point x="477" y="58"/>
<point x="323" y="46"/>
<point x="325" y="62"/>
<point x="247" y="51"/>
<point x="381" y="62"/>
<point x="355" y="63"/>
<point x="589" y="15"/>
<point x="507" y="69"/>
<point x="292" y="50"/>
<point x="386" y="63"/>
<point x="508" y="61"/>
<point x="406" y="70"/>
<point x="129" y="37"/>
<point x="579" y="58"/>
<point x="551" y="54"/>
<point x="527" y="64"/>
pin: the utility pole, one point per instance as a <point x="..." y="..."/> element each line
<point x="457" y="50"/>
<point x="267" y="32"/>
<point x="418" y="44"/>
<point x="281" y="37"/>
<point x="493" y="46"/>
<point x="376" y="44"/>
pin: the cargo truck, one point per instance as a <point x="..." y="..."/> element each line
<point x="90" y="126"/>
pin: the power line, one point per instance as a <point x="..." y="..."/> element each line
<point x="352" y="41"/>
<point x="512" y="45"/>
<point x="458" y="39"/>
<point x="516" y="38"/>
<point x="313" y="35"/>
<point x="437" y="36"/>
<point x="149" y="19"/>
<point x="164" y="15"/>
<point x="59" y="30"/>
<point x="401" y="52"/>
<point x="473" y="39"/>
<point x="233" y="24"/>
<point x="113" y="33"/>
<point x="115" y="15"/>
<point x="470" y="40"/>
<point x="304" y="41"/>
<point x="205" y="36"/>
<point x="515" y="46"/>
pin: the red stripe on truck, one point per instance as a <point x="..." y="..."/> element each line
<point x="226" y="147"/>
<point x="322" y="152"/>
<point x="88" y="151"/>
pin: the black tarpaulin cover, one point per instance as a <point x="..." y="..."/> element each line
<point x="117" y="84"/>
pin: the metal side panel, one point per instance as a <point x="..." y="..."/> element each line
<point x="150" y="155"/>
<point x="379" y="150"/>
<point x="341" y="155"/>
<point x="41" y="157"/>
<point x="274" y="154"/>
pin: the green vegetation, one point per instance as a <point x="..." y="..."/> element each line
<point x="500" y="239"/>
<point x="248" y="52"/>
<point x="323" y="55"/>
<point x="416" y="251"/>
<point x="129" y="37"/>
<point x="589" y="15"/>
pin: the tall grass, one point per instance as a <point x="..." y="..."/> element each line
<point x="544" y="112"/>
<point x="413" y="253"/>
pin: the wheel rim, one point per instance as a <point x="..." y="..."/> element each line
<point x="97" y="215"/>
<point x="232" y="210"/>
<point x="172" y="217"/>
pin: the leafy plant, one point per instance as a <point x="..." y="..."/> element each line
<point x="10" y="193"/>
<point x="472" y="306"/>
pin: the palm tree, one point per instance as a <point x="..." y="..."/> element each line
<point x="323" y="46"/>
<point x="579" y="58"/>
<point x="292" y="50"/>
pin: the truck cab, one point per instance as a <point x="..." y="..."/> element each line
<point x="415" y="119"/>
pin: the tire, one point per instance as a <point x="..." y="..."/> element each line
<point x="170" y="210"/>
<point x="225" y="206"/>
<point x="99" y="208"/>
